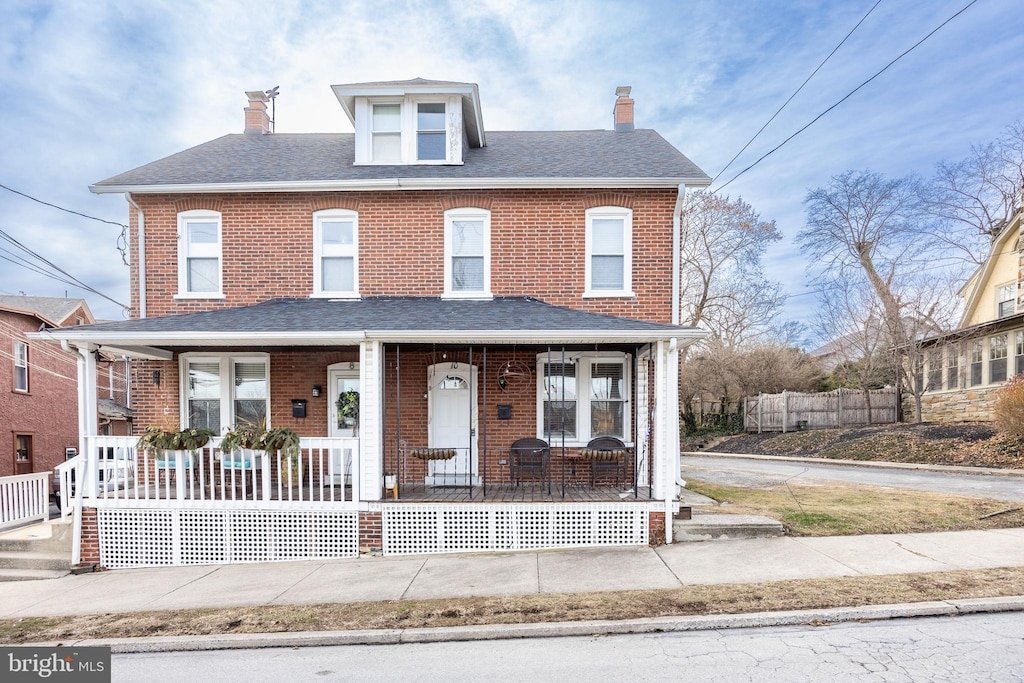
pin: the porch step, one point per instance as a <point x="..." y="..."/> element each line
<point x="712" y="526"/>
<point x="21" y="559"/>
<point x="30" y="574"/>
<point x="53" y="535"/>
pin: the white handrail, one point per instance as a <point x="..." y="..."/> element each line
<point x="24" y="498"/>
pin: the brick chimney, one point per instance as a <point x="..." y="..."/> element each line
<point x="623" y="108"/>
<point x="257" y="121"/>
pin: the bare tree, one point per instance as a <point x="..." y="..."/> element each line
<point x="863" y="227"/>
<point x="723" y="285"/>
<point x="975" y="197"/>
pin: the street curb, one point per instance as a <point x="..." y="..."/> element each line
<point x="551" y="630"/>
<point x="952" y="469"/>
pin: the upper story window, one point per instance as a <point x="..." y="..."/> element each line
<point x="586" y="396"/>
<point x="387" y="132"/>
<point x="20" y="366"/>
<point x="199" y="254"/>
<point x="1006" y="300"/>
<point x="336" y="253"/>
<point x="609" y="252"/>
<point x="467" y="253"/>
<point x="223" y="390"/>
<point x="430" y="132"/>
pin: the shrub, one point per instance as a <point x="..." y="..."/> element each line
<point x="1009" y="408"/>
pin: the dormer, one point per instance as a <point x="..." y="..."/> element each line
<point x="412" y="122"/>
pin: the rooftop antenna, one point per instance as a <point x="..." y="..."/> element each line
<point x="272" y="94"/>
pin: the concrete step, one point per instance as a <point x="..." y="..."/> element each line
<point x="55" y="535"/>
<point x="710" y="526"/>
<point x="25" y="559"/>
<point x="30" y="574"/>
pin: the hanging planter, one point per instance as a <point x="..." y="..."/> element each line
<point x="433" y="453"/>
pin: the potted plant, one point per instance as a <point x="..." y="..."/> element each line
<point x="348" y="409"/>
<point x="167" y="445"/>
<point x="254" y="436"/>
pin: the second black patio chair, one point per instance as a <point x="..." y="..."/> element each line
<point x="529" y="459"/>
<point x="607" y="455"/>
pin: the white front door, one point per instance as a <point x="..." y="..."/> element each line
<point x="341" y="377"/>
<point x="452" y="414"/>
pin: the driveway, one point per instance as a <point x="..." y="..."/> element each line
<point x="749" y="472"/>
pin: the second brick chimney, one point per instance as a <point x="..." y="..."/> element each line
<point x="257" y="121"/>
<point x="623" y="108"/>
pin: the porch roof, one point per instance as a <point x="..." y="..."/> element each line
<point x="319" y="322"/>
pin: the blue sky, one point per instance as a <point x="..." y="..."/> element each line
<point x="91" y="89"/>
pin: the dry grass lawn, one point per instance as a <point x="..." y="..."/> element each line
<point x="844" y="510"/>
<point x="690" y="600"/>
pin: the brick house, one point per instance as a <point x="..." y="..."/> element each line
<point x="964" y="368"/>
<point x="39" y="407"/>
<point x="473" y="287"/>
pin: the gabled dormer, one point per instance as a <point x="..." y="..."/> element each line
<point x="413" y="122"/>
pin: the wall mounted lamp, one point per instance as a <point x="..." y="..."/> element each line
<point x="316" y="390"/>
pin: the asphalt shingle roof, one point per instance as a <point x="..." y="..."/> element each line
<point x="293" y="157"/>
<point x="384" y="314"/>
<point x="52" y="308"/>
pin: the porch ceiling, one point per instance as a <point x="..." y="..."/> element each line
<point x="328" y="322"/>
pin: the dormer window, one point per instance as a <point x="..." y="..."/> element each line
<point x="387" y="132"/>
<point x="430" y="131"/>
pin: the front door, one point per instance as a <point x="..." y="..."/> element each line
<point x="451" y="411"/>
<point x="342" y="379"/>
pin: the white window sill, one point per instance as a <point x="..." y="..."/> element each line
<point x="200" y="295"/>
<point x="608" y="294"/>
<point x="335" y="295"/>
<point x="479" y="296"/>
<point x="438" y="162"/>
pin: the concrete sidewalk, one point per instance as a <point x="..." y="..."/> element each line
<point x="564" y="571"/>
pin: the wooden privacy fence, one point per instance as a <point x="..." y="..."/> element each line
<point x="791" y="411"/>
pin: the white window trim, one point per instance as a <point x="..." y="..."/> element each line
<point x="453" y="129"/>
<point x="17" y="365"/>
<point x="582" y="361"/>
<point x="1013" y="298"/>
<point x="466" y="213"/>
<point x="627" y="244"/>
<point x="226" y="362"/>
<point x="183" y="218"/>
<point x="318" y="218"/>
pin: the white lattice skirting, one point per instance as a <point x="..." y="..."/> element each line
<point x="151" y="538"/>
<point x="413" y="528"/>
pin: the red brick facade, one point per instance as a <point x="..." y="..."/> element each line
<point x="657" y="528"/>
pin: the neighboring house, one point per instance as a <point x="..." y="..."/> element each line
<point x="39" y="407"/>
<point x="474" y="287"/>
<point x="963" y="369"/>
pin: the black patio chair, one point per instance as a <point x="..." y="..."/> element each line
<point x="529" y="458"/>
<point x="606" y="454"/>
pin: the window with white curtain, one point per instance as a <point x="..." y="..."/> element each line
<point x="587" y="395"/>
<point x="467" y="253"/>
<point x="336" y="253"/>
<point x="199" y="254"/>
<point x="609" y="252"/>
<point x="222" y="390"/>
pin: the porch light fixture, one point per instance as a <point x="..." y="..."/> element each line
<point x="316" y="390"/>
<point x="156" y="377"/>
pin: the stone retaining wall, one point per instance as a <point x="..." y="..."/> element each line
<point x="973" y="404"/>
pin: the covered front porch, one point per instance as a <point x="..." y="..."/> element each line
<point x="538" y="424"/>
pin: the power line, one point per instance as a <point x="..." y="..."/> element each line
<point x="61" y="208"/>
<point x="73" y="280"/>
<point x="849" y="94"/>
<point x="797" y="91"/>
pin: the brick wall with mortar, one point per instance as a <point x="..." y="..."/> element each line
<point x="48" y="411"/>
<point x="657" y="528"/>
<point x="371" y="531"/>
<point x="537" y="245"/>
<point x="90" y="554"/>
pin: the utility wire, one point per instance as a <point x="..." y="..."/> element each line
<point x="797" y="91"/>
<point x="61" y="208"/>
<point x="73" y="280"/>
<point x="848" y="95"/>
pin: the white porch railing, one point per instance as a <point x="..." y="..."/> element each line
<point x="24" y="498"/>
<point x="325" y="475"/>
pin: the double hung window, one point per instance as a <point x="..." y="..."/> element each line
<point x="199" y="254"/>
<point x="584" y="397"/>
<point x="430" y="132"/>
<point x="977" y="356"/>
<point x="609" y="252"/>
<point x="953" y="367"/>
<point x="467" y="253"/>
<point x="1006" y="303"/>
<point x="997" y="358"/>
<point x="20" y="366"/>
<point x="336" y="253"/>
<point x="386" y="132"/>
<point x="221" y="391"/>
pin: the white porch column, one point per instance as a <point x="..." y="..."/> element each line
<point x="371" y="421"/>
<point x="88" y="400"/>
<point x="666" y="422"/>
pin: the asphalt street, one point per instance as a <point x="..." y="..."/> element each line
<point x="982" y="647"/>
<point x="733" y="471"/>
